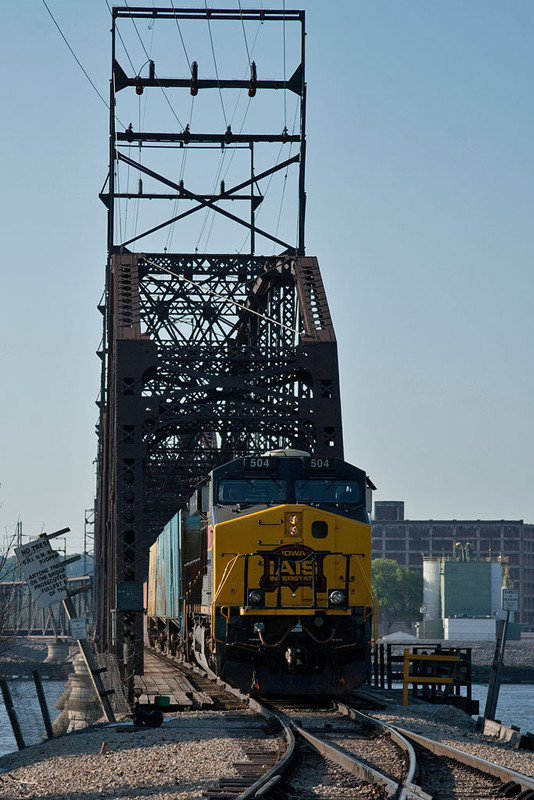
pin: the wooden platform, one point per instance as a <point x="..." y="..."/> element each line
<point x="163" y="679"/>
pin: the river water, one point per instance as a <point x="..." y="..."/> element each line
<point x="24" y="696"/>
<point x="515" y="707"/>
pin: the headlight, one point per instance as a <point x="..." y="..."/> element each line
<point x="294" y="524"/>
<point x="255" y="597"/>
<point x="337" y="597"/>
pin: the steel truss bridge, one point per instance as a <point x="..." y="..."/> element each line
<point x="205" y="356"/>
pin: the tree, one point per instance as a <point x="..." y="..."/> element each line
<point x="399" y="590"/>
<point x="6" y="593"/>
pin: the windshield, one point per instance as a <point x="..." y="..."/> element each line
<point x="252" y="491"/>
<point x="328" y="491"/>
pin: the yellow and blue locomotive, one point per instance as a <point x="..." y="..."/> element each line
<point x="266" y="578"/>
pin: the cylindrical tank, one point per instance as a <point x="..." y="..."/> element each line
<point x="432" y="588"/>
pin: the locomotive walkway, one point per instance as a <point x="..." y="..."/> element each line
<point x="166" y="680"/>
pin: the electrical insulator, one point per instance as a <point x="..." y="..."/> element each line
<point x="253" y="80"/>
<point x="151" y="70"/>
<point x="138" y="85"/>
<point x="194" y="78"/>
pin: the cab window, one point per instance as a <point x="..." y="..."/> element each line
<point x="327" y="491"/>
<point x="251" y="492"/>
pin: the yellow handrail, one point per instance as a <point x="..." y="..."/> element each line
<point x="407" y="678"/>
<point x="226" y="574"/>
<point x="374" y="601"/>
<point x="230" y="567"/>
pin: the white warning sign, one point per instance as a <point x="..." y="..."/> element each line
<point x="44" y="573"/>
<point x="78" y="628"/>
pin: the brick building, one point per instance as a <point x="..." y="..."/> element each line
<point x="407" y="541"/>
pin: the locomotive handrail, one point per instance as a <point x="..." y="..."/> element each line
<point x="226" y="574"/>
<point x="278" y="557"/>
<point x="374" y="601"/>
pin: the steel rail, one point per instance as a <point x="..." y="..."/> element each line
<point x="407" y="789"/>
<point x="347" y="761"/>
<point x="350" y="763"/>
<point x="400" y="790"/>
<point x="401" y="735"/>
<point x="503" y="773"/>
<point x="261" y="786"/>
<point x="273" y="775"/>
<point x="270" y="778"/>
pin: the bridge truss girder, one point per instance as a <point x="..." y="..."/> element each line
<point x="196" y="378"/>
<point x="206" y="357"/>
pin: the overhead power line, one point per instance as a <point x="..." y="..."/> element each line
<point x="74" y="55"/>
<point x="226" y="299"/>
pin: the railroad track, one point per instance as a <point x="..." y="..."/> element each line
<point x="326" y="751"/>
<point x="493" y="779"/>
<point x="348" y="754"/>
<point x="347" y="757"/>
<point x="447" y="773"/>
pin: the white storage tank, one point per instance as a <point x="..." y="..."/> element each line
<point x="432" y="588"/>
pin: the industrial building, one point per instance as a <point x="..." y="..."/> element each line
<point x="408" y="542"/>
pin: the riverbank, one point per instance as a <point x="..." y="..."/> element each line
<point x="18" y="658"/>
<point x="24" y="669"/>
<point x="518" y="660"/>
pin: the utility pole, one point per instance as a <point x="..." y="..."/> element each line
<point x="496" y="669"/>
<point x="509" y="602"/>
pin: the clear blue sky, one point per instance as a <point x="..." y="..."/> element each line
<point x="420" y="201"/>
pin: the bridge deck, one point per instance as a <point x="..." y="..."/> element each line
<point x="164" y="680"/>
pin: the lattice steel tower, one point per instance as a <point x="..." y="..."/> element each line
<point x="206" y="355"/>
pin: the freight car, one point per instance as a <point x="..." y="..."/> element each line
<point x="266" y="577"/>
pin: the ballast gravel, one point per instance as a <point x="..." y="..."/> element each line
<point x="453" y="727"/>
<point x="191" y="751"/>
<point x="179" y="761"/>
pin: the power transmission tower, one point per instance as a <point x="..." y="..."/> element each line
<point x="206" y="355"/>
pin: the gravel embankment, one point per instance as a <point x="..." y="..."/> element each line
<point x="453" y="727"/>
<point x="516" y="654"/>
<point x="191" y="751"/>
<point x="178" y="761"/>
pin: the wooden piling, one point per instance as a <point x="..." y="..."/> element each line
<point x="12" y="714"/>
<point x="43" y="704"/>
